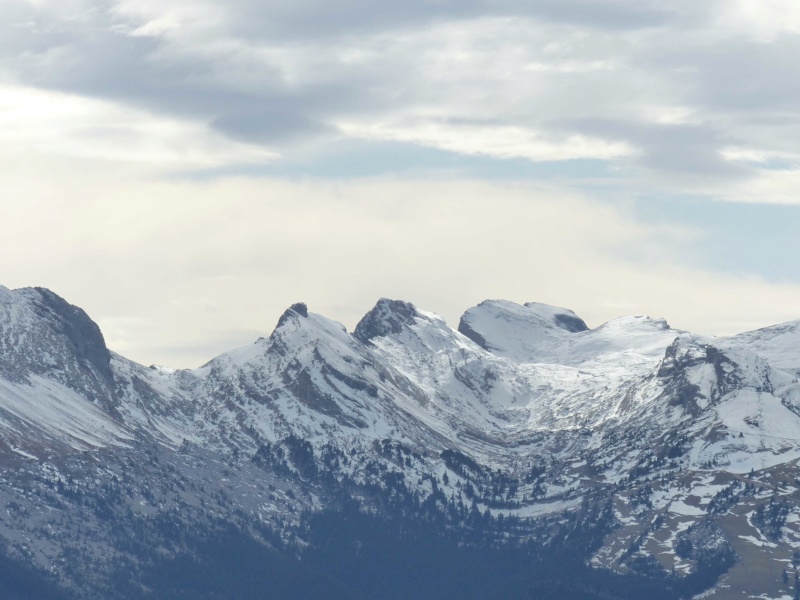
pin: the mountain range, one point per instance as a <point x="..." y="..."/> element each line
<point x="519" y="455"/>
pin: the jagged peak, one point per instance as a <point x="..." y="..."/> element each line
<point x="296" y="327"/>
<point x="298" y="309"/>
<point x="386" y="317"/>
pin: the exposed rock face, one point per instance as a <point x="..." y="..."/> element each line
<point x="43" y="335"/>
<point x="77" y="328"/>
<point x="571" y="323"/>
<point x="297" y="309"/>
<point x="386" y="318"/>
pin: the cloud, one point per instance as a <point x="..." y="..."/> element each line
<point x="660" y="92"/>
<point x="490" y="139"/>
<point x="314" y="19"/>
<point x="61" y="124"/>
<point x="763" y="20"/>
<point x="501" y="79"/>
<point x="780" y="187"/>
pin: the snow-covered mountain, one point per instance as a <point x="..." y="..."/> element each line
<point x="666" y="461"/>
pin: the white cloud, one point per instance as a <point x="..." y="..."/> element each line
<point x="63" y="124"/>
<point x="498" y="141"/>
<point x="770" y="186"/>
<point x="661" y="91"/>
<point x="764" y="20"/>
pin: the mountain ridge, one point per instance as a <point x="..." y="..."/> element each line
<point x="499" y="432"/>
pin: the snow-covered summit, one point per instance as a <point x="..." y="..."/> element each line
<point x="521" y="332"/>
<point x="387" y="317"/>
<point x="540" y="333"/>
<point x="779" y="344"/>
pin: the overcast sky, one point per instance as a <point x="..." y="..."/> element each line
<point x="184" y="170"/>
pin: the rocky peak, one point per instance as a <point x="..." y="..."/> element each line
<point x="41" y="331"/>
<point x="386" y="318"/>
<point x="78" y="329"/>
<point x="298" y="309"/>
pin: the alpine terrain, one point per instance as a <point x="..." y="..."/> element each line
<point x="520" y="455"/>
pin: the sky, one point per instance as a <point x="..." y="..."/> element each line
<point x="185" y="170"/>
